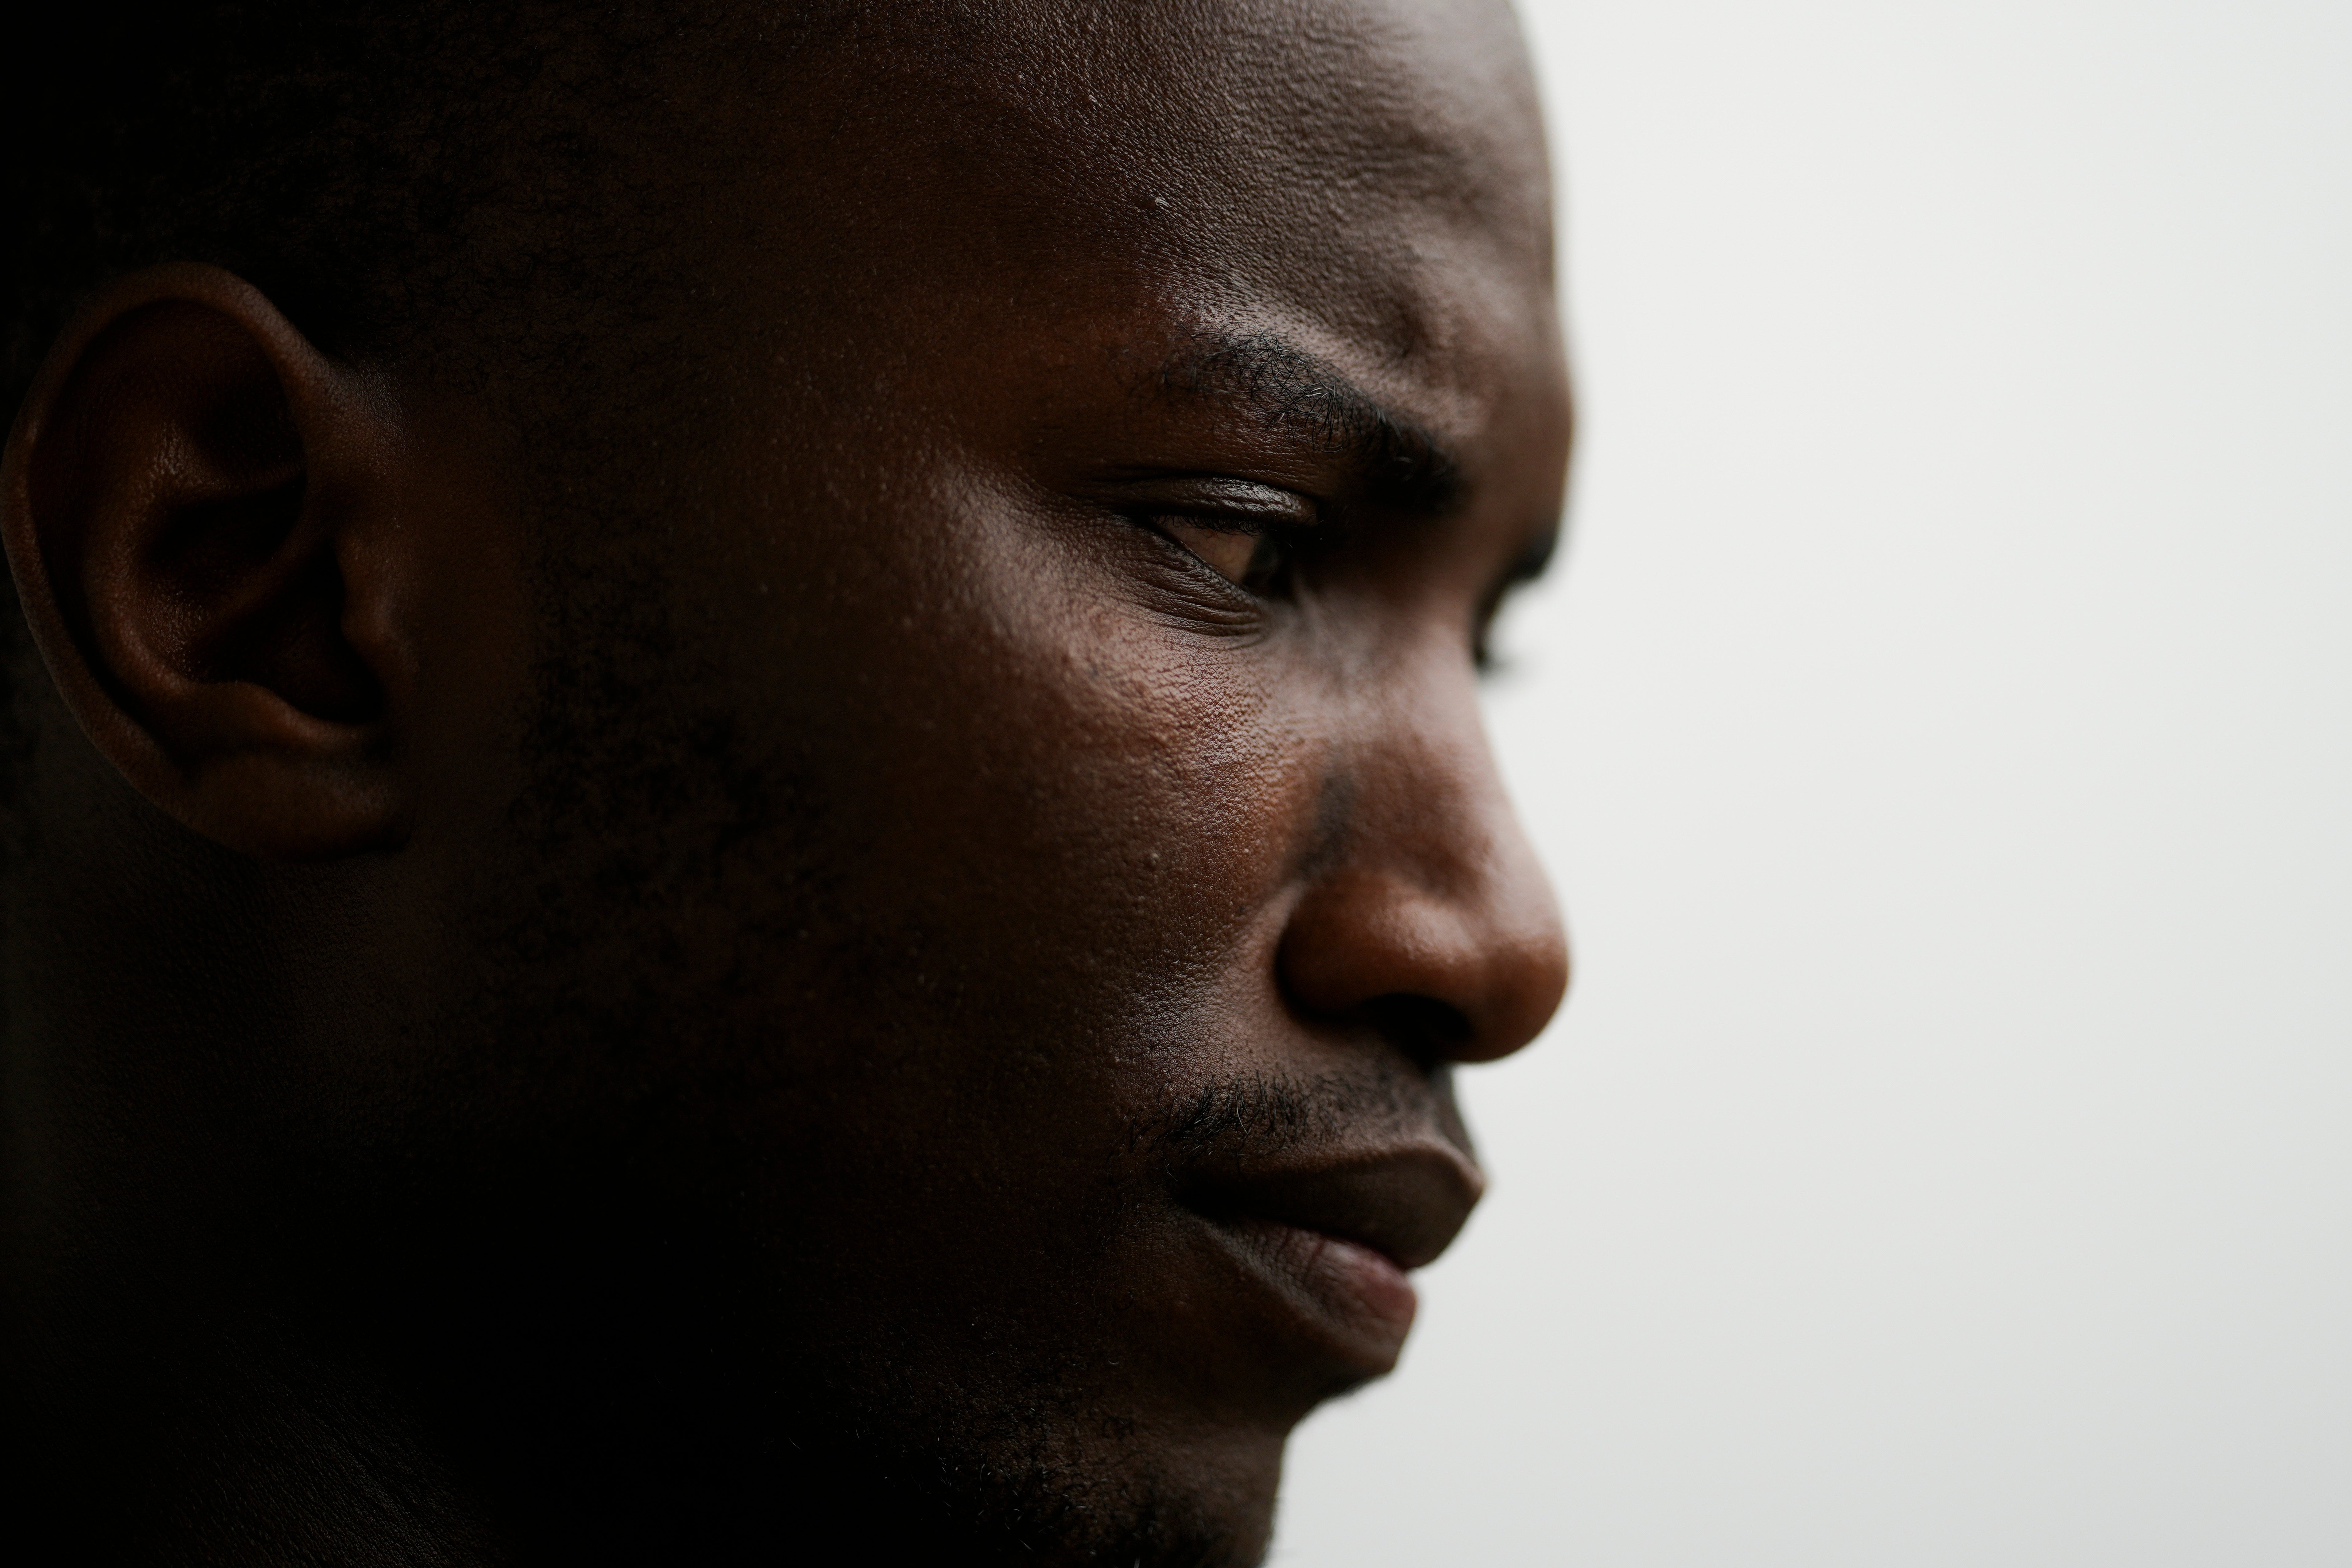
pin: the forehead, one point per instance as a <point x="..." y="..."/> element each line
<point x="1244" y="130"/>
<point x="1365" y="177"/>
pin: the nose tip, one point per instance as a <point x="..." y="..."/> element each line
<point x="1425" y="912"/>
<point x="1470" y="974"/>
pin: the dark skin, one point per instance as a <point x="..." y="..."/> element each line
<point x="903" y="990"/>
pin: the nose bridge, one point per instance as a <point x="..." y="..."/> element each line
<point x="1428" y="888"/>
<point x="1432" y="804"/>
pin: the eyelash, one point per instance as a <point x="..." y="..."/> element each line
<point x="1181" y="508"/>
<point x="1525" y="569"/>
<point x="1482" y="657"/>
<point x="1287" y="542"/>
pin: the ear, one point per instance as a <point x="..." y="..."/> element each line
<point x="200" y="513"/>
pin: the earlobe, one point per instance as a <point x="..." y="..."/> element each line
<point x="197" y="509"/>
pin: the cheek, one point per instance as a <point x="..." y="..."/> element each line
<point x="1055" y="834"/>
<point x="1055" y="780"/>
<point x="1047" y="836"/>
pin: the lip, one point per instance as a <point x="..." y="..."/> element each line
<point x="1333" y="1242"/>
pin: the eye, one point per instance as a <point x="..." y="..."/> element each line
<point x="1247" y="558"/>
<point x="1525" y="567"/>
<point x="1245" y="532"/>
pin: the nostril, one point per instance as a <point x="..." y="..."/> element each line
<point x="1465" y="965"/>
<point x="1431" y="1032"/>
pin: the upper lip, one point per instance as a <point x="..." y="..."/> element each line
<point x="1406" y="1203"/>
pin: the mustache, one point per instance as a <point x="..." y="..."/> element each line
<point x="1267" y="1116"/>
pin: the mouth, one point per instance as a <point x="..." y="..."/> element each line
<point x="1332" y="1244"/>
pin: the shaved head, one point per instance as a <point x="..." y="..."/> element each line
<point x="787" y="697"/>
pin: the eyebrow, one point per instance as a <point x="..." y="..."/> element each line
<point x="1398" y="462"/>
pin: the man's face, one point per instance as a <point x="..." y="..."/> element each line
<point x="1028" y="880"/>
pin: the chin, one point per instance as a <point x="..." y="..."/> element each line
<point x="1143" y="1504"/>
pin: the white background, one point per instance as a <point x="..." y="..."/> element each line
<point x="1942" y="735"/>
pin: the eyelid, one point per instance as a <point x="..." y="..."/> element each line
<point x="1241" y="506"/>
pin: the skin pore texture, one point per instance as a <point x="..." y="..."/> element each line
<point x="825" y="915"/>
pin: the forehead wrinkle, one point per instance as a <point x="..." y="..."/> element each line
<point x="1399" y="459"/>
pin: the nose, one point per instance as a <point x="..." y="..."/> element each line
<point x="1426" y="914"/>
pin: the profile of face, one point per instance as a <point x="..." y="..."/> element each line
<point x="840" y="898"/>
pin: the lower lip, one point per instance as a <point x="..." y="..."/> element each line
<point x="1358" y="1298"/>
